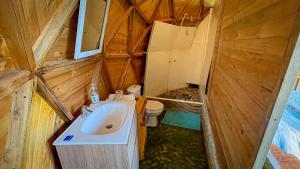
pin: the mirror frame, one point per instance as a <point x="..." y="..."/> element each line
<point x="80" y="26"/>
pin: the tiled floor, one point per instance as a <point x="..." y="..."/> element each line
<point x="170" y="147"/>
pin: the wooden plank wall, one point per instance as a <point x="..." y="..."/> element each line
<point x="253" y="54"/>
<point x="36" y="47"/>
<point x="44" y="125"/>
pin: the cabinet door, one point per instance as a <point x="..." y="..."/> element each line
<point x="158" y="59"/>
<point x="157" y="73"/>
<point x="180" y="51"/>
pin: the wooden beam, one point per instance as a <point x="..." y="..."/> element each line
<point x="22" y="99"/>
<point x="15" y="29"/>
<point x="183" y="8"/>
<point x="155" y="11"/>
<point x="67" y="64"/>
<point x="117" y="24"/>
<point x="124" y="74"/>
<point x="173" y="9"/>
<point x="142" y="14"/>
<point x="116" y="55"/>
<point x="53" y="30"/>
<point x="142" y="37"/>
<point x="136" y="75"/>
<point x="130" y="33"/>
<point x="46" y="92"/>
<point x="95" y="77"/>
<point x="11" y="80"/>
<point x="107" y="77"/>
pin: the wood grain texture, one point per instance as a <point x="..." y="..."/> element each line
<point x="38" y="13"/>
<point x="20" y="110"/>
<point x="15" y="29"/>
<point x="43" y="127"/>
<point x="54" y="26"/>
<point x="7" y="61"/>
<point x="141" y="125"/>
<point x="250" y="60"/>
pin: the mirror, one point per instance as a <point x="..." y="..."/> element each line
<point x="91" y="27"/>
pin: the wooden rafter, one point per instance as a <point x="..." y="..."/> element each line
<point x="136" y="75"/>
<point x="130" y="32"/>
<point x="183" y="8"/>
<point x="142" y="37"/>
<point x="106" y="75"/>
<point x="142" y="14"/>
<point x="96" y="72"/>
<point x="124" y="74"/>
<point x="18" y="40"/>
<point x="47" y="93"/>
<point x="53" y="30"/>
<point x="117" y="24"/>
<point x="155" y="10"/>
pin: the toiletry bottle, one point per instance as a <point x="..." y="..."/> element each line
<point x="94" y="94"/>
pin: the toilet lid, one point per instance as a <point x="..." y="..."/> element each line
<point x="154" y="105"/>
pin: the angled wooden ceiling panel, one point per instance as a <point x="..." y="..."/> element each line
<point x="115" y="69"/>
<point x="138" y="26"/>
<point x="165" y="10"/>
<point x="119" y="42"/>
<point x="148" y="8"/>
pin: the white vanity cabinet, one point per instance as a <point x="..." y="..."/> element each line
<point x="101" y="155"/>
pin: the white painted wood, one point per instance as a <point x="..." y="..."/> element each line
<point x="157" y="73"/>
<point x="80" y="31"/>
<point x="182" y="43"/>
<point x="196" y="57"/>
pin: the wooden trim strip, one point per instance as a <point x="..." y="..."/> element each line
<point x="46" y="92"/>
<point x="52" y="30"/>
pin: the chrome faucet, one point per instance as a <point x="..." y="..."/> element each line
<point x="85" y="111"/>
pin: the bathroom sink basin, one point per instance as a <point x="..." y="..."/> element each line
<point x="105" y="119"/>
<point x="109" y="123"/>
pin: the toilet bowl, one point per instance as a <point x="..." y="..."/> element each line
<point x="153" y="110"/>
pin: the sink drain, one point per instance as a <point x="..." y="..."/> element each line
<point x="109" y="126"/>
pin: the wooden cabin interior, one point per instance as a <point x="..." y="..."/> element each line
<point x="248" y="67"/>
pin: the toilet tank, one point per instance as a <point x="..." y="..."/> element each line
<point x="135" y="90"/>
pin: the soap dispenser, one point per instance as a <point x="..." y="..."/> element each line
<point x="94" y="94"/>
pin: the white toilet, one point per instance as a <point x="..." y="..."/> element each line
<point x="153" y="110"/>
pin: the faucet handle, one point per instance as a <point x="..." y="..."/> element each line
<point x="85" y="110"/>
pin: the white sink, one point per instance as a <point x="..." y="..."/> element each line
<point x="105" y="119"/>
<point x="109" y="123"/>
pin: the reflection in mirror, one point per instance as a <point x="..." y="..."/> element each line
<point x="91" y="27"/>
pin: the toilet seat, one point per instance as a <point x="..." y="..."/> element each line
<point x="153" y="107"/>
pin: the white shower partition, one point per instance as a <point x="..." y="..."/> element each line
<point x="174" y="58"/>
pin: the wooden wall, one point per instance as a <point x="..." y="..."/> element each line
<point x="254" y="49"/>
<point x="43" y="126"/>
<point x="37" y="40"/>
